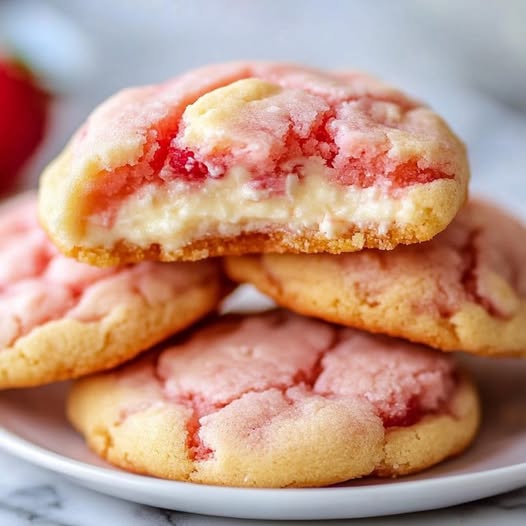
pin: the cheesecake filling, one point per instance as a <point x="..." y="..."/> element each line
<point x="178" y="213"/>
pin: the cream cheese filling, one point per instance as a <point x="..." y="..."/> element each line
<point x="176" y="214"/>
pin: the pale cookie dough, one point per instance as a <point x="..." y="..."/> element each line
<point x="61" y="319"/>
<point x="278" y="400"/>
<point x="464" y="290"/>
<point x="253" y="157"/>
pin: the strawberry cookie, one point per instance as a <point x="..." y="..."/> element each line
<point x="249" y="158"/>
<point x="61" y="319"/>
<point x="278" y="400"/>
<point x="463" y="290"/>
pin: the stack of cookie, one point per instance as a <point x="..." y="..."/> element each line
<point x="342" y="199"/>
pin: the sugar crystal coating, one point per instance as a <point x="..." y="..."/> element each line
<point x="38" y="284"/>
<point x="287" y="361"/>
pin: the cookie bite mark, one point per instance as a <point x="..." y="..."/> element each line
<point x="254" y="149"/>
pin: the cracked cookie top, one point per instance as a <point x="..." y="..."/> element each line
<point x="266" y="118"/>
<point x="39" y="285"/>
<point x="262" y="365"/>
<point x="463" y="290"/>
<point x="478" y="259"/>
<point x="245" y="148"/>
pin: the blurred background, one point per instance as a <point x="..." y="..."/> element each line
<point x="467" y="59"/>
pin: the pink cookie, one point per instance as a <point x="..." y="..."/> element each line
<point x="278" y="400"/>
<point x="463" y="290"/>
<point x="253" y="157"/>
<point x="61" y="319"/>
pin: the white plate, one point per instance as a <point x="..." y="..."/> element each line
<point x="34" y="428"/>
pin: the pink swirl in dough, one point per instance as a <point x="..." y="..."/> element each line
<point x="38" y="284"/>
<point x="358" y="130"/>
<point x="479" y="258"/>
<point x="282" y="359"/>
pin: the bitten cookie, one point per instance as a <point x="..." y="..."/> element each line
<point x="253" y="157"/>
<point x="278" y="400"/>
<point x="61" y="319"/>
<point x="464" y="290"/>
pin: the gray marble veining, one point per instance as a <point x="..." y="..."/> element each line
<point x="33" y="496"/>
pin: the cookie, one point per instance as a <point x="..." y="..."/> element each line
<point x="253" y="157"/>
<point x="463" y="290"/>
<point x="61" y="319"/>
<point x="278" y="400"/>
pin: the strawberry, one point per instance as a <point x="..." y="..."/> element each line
<point x="23" y="116"/>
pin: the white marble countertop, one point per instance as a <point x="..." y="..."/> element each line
<point x="33" y="496"/>
<point x="442" y="55"/>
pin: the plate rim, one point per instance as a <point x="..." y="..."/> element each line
<point x="340" y="502"/>
<point x="59" y="463"/>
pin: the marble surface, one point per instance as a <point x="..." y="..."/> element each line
<point x="30" y="495"/>
<point x="437" y="50"/>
